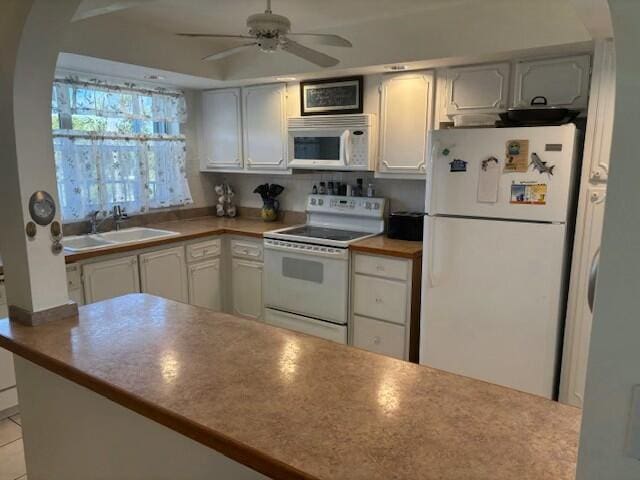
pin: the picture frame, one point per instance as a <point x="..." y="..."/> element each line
<point x="331" y="96"/>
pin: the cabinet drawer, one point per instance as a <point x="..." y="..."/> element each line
<point x="74" y="281"/>
<point x="246" y="249"/>
<point x="380" y="298"/>
<point x="379" y="337"/>
<point x="382" y="266"/>
<point x="201" y="250"/>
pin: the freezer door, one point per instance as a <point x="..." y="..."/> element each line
<point x="492" y="300"/>
<point x="453" y="188"/>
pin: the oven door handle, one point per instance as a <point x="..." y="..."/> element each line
<point x="307" y="250"/>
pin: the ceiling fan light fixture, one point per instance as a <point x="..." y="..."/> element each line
<point x="286" y="79"/>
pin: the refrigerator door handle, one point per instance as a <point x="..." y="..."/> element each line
<point x="593" y="277"/>
<point x="431" y="252"/>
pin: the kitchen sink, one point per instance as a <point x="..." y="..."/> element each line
<point x="82" y="243"/>
<point x="136" y="235"/>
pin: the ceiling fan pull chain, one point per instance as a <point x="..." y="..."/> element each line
<point x="268" y="10"/>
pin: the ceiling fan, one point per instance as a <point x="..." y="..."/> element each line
<point x="270" y="32"/>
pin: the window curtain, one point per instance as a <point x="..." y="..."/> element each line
<point x="138" y="171"/>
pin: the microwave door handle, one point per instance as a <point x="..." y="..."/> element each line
<point x="346" y="147"/>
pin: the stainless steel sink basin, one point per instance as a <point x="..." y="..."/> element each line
<point x="82" y="243"/>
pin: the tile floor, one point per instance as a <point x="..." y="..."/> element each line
<point x="11" y="450"/>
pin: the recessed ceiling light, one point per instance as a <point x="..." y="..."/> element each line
<point x="154" y="77"/>
<point x="396" y="68"/>
<point x="286" y="79"/>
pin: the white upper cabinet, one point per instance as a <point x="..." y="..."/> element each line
<point x="477" y="89"/>
<point x="164" y="273"/>
<point x="406" y="106"/>
<point x="264" y="113"/>
<point x="562" y="81"/>
<point x="221" y="130"/>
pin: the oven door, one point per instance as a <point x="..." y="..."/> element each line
<point x="309" y="280"/>
<point x="317" y="149"/>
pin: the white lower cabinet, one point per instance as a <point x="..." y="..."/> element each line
<point x="164" y="273"/>
<point x="384" y="314"/>
<point x="205" y="285"/>
<point x="246" y="280"/>
<point x="110" y="278"/>
<point x="379" y="337"/>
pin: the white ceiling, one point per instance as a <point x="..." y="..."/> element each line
<point x="421" y="33"/>
<point x="229" y="16"/>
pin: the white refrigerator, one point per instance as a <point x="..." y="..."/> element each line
<point x="496" y="253"/>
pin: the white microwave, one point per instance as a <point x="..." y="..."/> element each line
<point x="332" y="142"/>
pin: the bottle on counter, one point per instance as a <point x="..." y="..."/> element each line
<point x="323" y="189"/>
<point x="371" y="191"/>
<point x="330" y="189"/>
<point x="348" y="191"/>
<point x="314" y="190"/>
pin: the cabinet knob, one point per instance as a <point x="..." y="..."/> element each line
<point x="378" y="300"/>
<point x="377" y="340"/>
<point x="380" y="268"/>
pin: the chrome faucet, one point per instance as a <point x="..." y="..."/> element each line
<point x="119" y="215"/>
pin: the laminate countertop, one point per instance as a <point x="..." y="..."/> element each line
<point x="201" y="227"/>
<point x="298" y="407"/>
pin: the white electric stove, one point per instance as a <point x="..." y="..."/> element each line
<point x="306" y="267"/>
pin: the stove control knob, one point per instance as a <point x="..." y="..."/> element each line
<point x="367" y="205"/>
<point x="376" y="206"/>
<point x="320" y="201"/>
<point x="313" y="201"/>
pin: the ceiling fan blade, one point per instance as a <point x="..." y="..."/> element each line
<point x="213" y="35"/>
<point x="228" y="52"/>
<point x="322" y="39"/>
<point x="309" y="54"/>
<point x="94" y="8"/>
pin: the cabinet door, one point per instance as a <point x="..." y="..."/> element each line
<point x="579" y="315"/>
<point x="204" y="284"/>
<point x="478" y="89"/>
<point x="246" y="278"/>
<point x="405" y="118"/>
<point x="7" y="373"/>
<point x="562" y="81"/>
<point x="111" y="278"/>
<point x="265" y="142"/>
<point x="221" y="130"/>
<point x="164" y="273"/>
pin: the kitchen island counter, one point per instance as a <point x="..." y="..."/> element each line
<point x="299" y="407"/>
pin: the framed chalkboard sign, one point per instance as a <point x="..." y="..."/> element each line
<point x="331" y="96"/>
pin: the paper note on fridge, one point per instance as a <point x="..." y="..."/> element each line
<point x="517" y="156"/>
<point x="489" y="180"/>
<point x="529" y="193"/>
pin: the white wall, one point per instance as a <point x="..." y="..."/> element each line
<point x="614" y="357"/>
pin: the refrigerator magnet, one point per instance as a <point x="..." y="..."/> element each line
<point x="458" y="165"/>
<point x="539" y="165"/>
<point x="517" y="156"/>
<point x="528" y="194"/>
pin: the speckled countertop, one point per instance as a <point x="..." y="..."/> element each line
<point x="200" y="227"/>
<point x="299" y="407"/>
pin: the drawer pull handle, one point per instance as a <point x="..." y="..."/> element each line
<point x="376" y="340"/>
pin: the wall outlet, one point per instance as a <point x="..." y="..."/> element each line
<point x="633" y="432"/>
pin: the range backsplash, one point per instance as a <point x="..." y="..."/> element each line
<point x="402" y="194"/>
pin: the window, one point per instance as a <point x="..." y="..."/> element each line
<point x="117" y="145"/>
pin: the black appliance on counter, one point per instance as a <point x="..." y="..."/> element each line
<point x="406" y="225"/>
